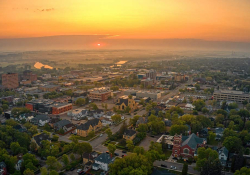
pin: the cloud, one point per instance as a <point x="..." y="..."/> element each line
<point x="45" y="10"/>
<point x="35" y="10"/>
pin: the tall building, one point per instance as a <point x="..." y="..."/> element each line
<point x="237" y="96"/>
<point x="100" y="94"/>
<point x="10" y="80"/>
<point x="28" y="75"/>
<point x="151" y="74"/>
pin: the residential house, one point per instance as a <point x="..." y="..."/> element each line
<point x="106" y="121"/>
<point x="129" y="134"/>
<point x="60" y="124"/>
<point x="53" y="121"/>
<point x="86" y="157"/>
<point x="68" y="127"/>
<point x="219" y="133"/>
<point x="168" y="140"/>
<point x="203" y="132"/>
<point x="124" y="102"/>
<point x="20" y="128"/>
<point x="98" y="113"/>
<point x="3" y="168"/>
<point x="223" y="156"/>
<point x="102" y="162"/>
<point x="186" y="146"/>
<point x="26" y="116"/>
<point x="91" y="125"/>
<point x="40" y="120"/>
<point x="141" y="120"/>
<point x="39" y="138"/>
<point x="19" y="164"/>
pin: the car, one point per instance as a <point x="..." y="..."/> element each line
<point x="79" y="170"/>
<point x="53" y="133"/>
<point x="124" y="151"/>
<point x="101" y="135"/>
<point x="152" y="136"/>
<point x="44" y="158"/>
<point x="116" y="154"/>
<point x="107" y="152"/>
<point x="72" y="169"/>
<point x="81" y="173"/>
<point x="175" y="158"/>
<point x="173" y="167"/>
<point x="162" y="165"/>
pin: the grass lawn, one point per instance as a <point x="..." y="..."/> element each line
<point x="84" y="138"/>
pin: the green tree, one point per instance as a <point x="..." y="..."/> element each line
<point x="65" y="159"/>
<point x="44" y="171"/>
<point x="11" y="122"/>
<point x="80" y="101"/>
<point x="55" y="138"/>
<point x="199" y="104"/>
<point x="91" y="134"/>
<point x="93" y="106"/>
<point x="53" y="172"/>
<point x="211" y="137"/>
<point x="53" y="163"/>
<point x="15" y="147"/>
<point x="83" y="147"/>
<point x="185" y="169"/>
<point x="134" y="120"/>
<point x="108" y="132"/>
<point x="232" y="143"/>
<point x="178" y="129"/>
<point x="205" y="110"/>
<point x="142" y="128"/>
<point x="111" y="148"/>
<point x="72" y="157"/>
<point x="116" y="118"/>
<point x="242" y="171"/>
<point x="130" y="145"/>
<point x="28" y="172"/>
<point x="5" y="107"/>
<point x="139" y="150"/>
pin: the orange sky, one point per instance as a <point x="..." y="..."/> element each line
<point x="200" y="19"/>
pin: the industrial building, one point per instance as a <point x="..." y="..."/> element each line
<point x="229" y="95"/>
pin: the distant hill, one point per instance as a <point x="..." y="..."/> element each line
<point x="81" y="42"/>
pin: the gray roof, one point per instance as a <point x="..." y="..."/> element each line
<point x="86" y="125"/>
<point x="223" y="150"/>
<point x="61" y="123"/>
<point x="219" y="130"/>
<point x="39" y="138"/>
<point x="40" y="117"/>
<point x="129" y="132"/>
<point x="104" y="158"/>
<point x="192" y="141"/>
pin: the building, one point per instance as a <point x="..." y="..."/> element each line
<point x="100" y="94"/>
<point x="102" y="162"/>
<point x="141" y="120"/>
<point x="91" y="125"/>
<point x="168" y="140"/>
<point x="40" y="120"/>
<point x="3" y="168"/>
<point x="147" y="82"/>
<point x="151" y="74"/>
<point x="46" y="76"/>
<point x="10" y="81"/>
<point x="129" y="134"/>
<point x="60" y="124"/>
<point x="124" y="102"/>
<point x="59" y="108"/>
<point x="39" y="138"/>
<point x="179" y="77"/>
<point x="229" y="95"/>
<point x="223" y="156"/>
<point x="186" y="146"/>
<point x="49" y="88"/>
<point x="28" y="75"/>
<point x="152" y="95"/>
<point x="86" y="157"/>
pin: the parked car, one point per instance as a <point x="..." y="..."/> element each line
<point x="72" y="169"/>
<point x="101" y="135"/>
<point x="79" y="170"/>
<point x="173" y="167"/>
<point x="116" y="154"/>
<point x="124" y="151"/>
<point x="164" y="165"/>
<point x="107" y="152"/>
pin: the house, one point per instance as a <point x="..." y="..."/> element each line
<point x="219" y="133"/>
<point x="102" y="162"/>
<point x="91" y="125"/>
<point x="19" y="164"/>
<point x="223" y="156"/>
<point x="68" y="127"/>
<point x="60" y="124"/>
<point x="20" y="128"/>
<point x="3" y="168"/>
<point x="26" y="116"/>
<point x="129" y="134"/>
<point x="167" y="122"/>
<point x="40" y="120"/>
<point x="53" y="121"/>
<point x="106" y="121"/>
<point x="168" y="140"/>
<point x="86" y="157"/>
<point x="141" y="120"/>
<point x="186" y="146"/>
<point x="98" y="113"/>
<point x="124" y="102"/>
<point x="39" y="138"/>
<point x="204" y="132"/>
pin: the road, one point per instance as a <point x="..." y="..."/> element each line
<point x="177" y="165"/>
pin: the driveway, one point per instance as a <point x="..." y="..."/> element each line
<point x="145" y="143"/>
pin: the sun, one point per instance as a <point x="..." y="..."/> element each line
<point x="98" y="44"/>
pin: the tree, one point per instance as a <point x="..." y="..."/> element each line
<point x="242" y="171"/>
<point x="83" y="147"/>
<point x="111" y="148"/>
<point x="11" y="122"/>
<point x="72" y="157"/>
<point x="208" y="161"/>
<point x="185" y="169"/>
<point x="205" y="110"/>
<point x="91" y="134"/>
<point x="232" y="143"/>
<point x="5" y="107"/>
<point x="199" y="104"/>
<point x="130" y="145"/>
<point x="127" y="109"/>
<point x="219" y="118"/>
<point x="93" y="106"/>
<point x="233" y="105"/>
<point x="116" y="118"/>
<point x="65" y="159"/>
<point x="178" y="129"/>
<point x="211" y="137"/>
<point x="131" y="164"/>
<point x="28" y="172"/>
<point x="27" y="158"/>
<point x="245" y="102"/>
<point x="14" y="146"/>
<point x="130" y="96"/>
<point x="139" y="150"/>
<point x="53" y="172"/>
<point x="80" y="101"/>
<point x="53" y="163"/>
<point x="1" y="110"/>
<point x="134" y="120"/>
<point x="142" y="128"/>
<point x="33" y="130"/>
<point x="108" y="132"/>
<point x="44" y="171"/>
<point x="55" y="138"/>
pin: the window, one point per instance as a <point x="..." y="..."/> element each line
<point x="186" y="151"/>
<point x="175" y="151"/>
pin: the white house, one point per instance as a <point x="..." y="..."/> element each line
<point x="102" y="162"/>
<point x="223" y="155"/>
<point x="40" y="120"/>
<point x="18" y="165"/>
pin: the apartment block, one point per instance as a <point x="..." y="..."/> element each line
<point x="229" y="95"/>
<point x="10" y="80"/>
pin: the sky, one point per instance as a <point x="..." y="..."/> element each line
<point x="216" y="20"/>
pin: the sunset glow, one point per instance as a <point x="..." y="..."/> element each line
<point x="203" y="19"/>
